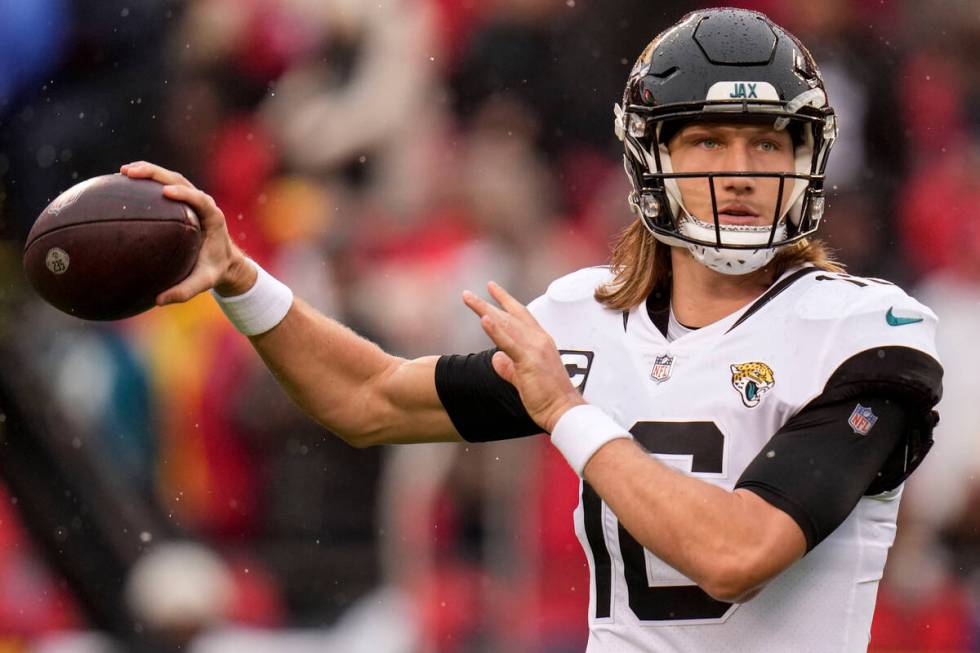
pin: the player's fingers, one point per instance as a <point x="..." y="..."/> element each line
<point x="521" y="338"/>
<point x="501" y="337"/>
<point x="509" y="304"/>
<point x="479" y="305"/>
<point x="147" y="170"/>
<point x="504" y="366"/>
<point x="532" y="336"/>
<point x="518" y="339"/>
<point x="487" y="311"/>
<point x="202" y="203"/>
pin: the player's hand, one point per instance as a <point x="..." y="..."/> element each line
<point x="528" y="357"/>
<point x="220" y="264"/>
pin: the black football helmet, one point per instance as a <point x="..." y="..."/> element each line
<point x="728" y="65"/>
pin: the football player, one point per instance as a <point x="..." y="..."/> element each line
<point x="742" y="412"/>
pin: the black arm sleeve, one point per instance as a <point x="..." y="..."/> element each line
<point x="481" y="405"/>
<point x="817" y="466"/>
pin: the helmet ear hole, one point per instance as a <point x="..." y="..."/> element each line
<point x="813" y="210"/>
<point x="650" y="206"/>
<point x="653" y="209"/>
<point x="665" y="217"/>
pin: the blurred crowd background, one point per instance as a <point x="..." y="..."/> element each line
<point x="380" y="156"/>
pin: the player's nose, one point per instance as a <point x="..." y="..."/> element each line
<point x="737" y="159"/>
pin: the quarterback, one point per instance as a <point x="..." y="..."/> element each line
<point x="743" y="413"/>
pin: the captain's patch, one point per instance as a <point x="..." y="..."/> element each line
<point x="577" y="363"/>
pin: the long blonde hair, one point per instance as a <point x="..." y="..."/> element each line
<point x="642" y="264"/>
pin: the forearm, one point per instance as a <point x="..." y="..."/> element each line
<point x="349" y="384"/>
<point x="724" y="541"/>
<point x="324" y="366"/>
<point x="344" y="381"/>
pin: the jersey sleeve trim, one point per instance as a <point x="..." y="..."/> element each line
<point x="481" y="405"/>
<point x="778" y="499"/>
<point x="817" y="467"/>
<point x="907" y="372"/>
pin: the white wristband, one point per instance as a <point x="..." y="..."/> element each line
<point x="261" y="307"/>
<point x="581" y="431"/>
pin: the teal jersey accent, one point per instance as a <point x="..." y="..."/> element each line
<point x="894" y="320"/>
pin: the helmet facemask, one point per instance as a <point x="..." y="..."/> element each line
<point x="685" y="75"/>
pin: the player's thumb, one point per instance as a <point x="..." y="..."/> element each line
<point x="503" y="365"/>
<point x="183" y="291"/>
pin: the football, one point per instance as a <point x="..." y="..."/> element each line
<point x="106" y="247"/>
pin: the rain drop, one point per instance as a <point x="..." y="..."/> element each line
<point x="46" y="156"/>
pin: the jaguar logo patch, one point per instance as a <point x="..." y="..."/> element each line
<point x="752" y="381"/>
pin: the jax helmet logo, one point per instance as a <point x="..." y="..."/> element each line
<point x="752" y="381"/>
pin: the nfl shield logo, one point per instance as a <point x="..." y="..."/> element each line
<point x="662" y="365"/>
<point x="862" y="419"/>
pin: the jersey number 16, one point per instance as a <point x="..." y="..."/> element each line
<point x="705" y="443"/>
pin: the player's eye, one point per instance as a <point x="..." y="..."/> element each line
<point x="708" y="143"/>
<point x="769" y="146"/>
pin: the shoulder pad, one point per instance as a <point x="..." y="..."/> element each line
<point x="578" y="285"/>
<point x="831" y="296"/>
<point x="849" y="315"/>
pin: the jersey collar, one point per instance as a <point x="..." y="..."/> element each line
<point x="788" y="279"/>
<point x="655" y="311"/>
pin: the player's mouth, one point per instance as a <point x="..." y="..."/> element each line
<point x="736" y="213"/>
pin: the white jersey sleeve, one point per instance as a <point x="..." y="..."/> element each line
<point x="841" y="316"/>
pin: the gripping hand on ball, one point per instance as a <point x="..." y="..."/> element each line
<point x="221" y="264"/>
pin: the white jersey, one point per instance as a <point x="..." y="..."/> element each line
<point x="689" y="402"/>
